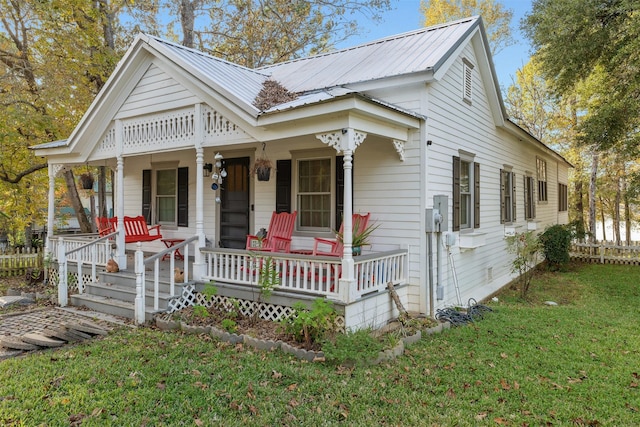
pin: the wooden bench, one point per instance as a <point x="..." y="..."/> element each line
<point x="135" y="228"/>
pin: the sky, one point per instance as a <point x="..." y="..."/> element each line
<point x="406" y="16"/>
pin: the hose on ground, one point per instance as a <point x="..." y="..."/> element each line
<point x="458" y="317"/>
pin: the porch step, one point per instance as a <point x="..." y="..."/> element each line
<point x="128" y="279"/>
<point x="127" y="293"/>
<point x="112" y="306"/>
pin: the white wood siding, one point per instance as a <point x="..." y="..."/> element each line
<point x="455" y="125"/>
<point x="156" y="91"/>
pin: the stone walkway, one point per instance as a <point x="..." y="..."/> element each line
<point x="37" y="320"/>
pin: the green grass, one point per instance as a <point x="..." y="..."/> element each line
<point x="526" y="363"/>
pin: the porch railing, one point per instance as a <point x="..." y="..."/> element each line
<point x="83" y="250"/>
<point x="140" y="266"/>
<point x="307" y="274"/>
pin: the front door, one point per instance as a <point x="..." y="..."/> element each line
<point x="234" y="206"/>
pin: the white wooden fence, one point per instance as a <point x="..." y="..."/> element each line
<point x="605" y="252"/>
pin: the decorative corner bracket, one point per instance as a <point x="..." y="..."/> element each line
<point x="399" y="146"/>
<point x="340" y="140"/>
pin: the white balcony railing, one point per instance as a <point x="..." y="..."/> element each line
<point x="309" y="274"/>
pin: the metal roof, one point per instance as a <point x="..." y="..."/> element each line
<point x="415" y="51"/>
<point x="244" y="83"/>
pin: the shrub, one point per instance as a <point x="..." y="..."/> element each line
<point x="310" y="326"/>
<point x="556" y="241"/>
<point x="526" y="247"/>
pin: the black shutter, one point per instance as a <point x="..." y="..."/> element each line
<point x="283" y="186"/>
<point x="513" y="196"/>
<point x="183" y="197"/>
<point x="476" y="195"/>
<point x="146" y="195"/>
<point x="502" y="194"/>
<point x="456" y="193"/>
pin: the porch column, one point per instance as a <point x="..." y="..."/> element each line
<point x="346" y="141"/>
<point x="199" y="264"/>
<point x="51" y="205"/>
<point x="121" y="255"/>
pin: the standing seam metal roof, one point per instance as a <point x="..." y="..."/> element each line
<point x="406" y="53"/>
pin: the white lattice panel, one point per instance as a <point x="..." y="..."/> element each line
<point x="187" y="299"/>
<point x="158" y="131"/>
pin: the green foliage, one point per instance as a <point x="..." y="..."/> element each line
<point x="229" y="325"/>
<point x="525" y="246"/>
<point x="311" y="326"/>
<point x="352" y="348"/>
<point x="200" y="311"/>
<point x="209" y="291"/>
<point x="268" y="276"/>
<point x="556" y="242"/>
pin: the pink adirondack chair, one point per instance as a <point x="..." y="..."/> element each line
<point x="279" y="233"/>
<point x="328" y="247"/>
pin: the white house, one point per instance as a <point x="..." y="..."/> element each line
<point x="411" y="129"/>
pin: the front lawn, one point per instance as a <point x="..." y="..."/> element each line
<point x="526" y="363"/>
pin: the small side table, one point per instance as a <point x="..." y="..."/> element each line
<point x="169" y="243"/>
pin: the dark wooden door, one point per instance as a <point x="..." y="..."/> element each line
<point x="234" y="207"/>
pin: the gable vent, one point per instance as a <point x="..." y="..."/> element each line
<point x="467" y="82"/>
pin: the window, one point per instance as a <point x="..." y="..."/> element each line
<point x="467" y="80"/>
<point x="507" y="196"/>
<point x="466" y="193"/>
<point x="314" y="194"/>
<point x="563" y="198"/>
<point x="541" y="167"/>
<point x="170" y="198"/>
<point x="529" y="198"/>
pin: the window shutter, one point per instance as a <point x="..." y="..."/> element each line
<point x="476" y="195"/>
<point x="183" y="197"/>
<point x="146" y="195"/>
<point x="502" y="193"/>
<point x="513" y="196"/>
<point x="527" y="213"/>
<point x="456" y="193"/>
<point x="283" y="186"/>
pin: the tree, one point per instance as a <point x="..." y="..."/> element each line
<point x="574" y="39"/>
<point x="496" y="19"/>
<point x="255" y="33"/>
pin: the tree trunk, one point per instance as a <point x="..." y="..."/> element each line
<point x="579" y="207"/>
<point x="627" y="211"/>
<point x="616" y="210"/>
<point x="76" y="203"/>
<point x="187" y="19"/>
<point x="602" y="220"/>
<point x="592" y="196"/>
<point x="102" y="187"/>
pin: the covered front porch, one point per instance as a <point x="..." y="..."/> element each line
<point x="80" y="265"/>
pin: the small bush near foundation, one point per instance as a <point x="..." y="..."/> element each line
<point x="556" y="241"/>
<point x="310" y="326"/>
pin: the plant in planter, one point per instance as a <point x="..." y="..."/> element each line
<point x="86" y="181"/>
<point x="360" y="236"/>
<point x="262" y="168"/>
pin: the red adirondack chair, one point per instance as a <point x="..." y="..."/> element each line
<point x="105" y="225"/>
<point x="279" y="233"/>
<point x="328" y="247"/>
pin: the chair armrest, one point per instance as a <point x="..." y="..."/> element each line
<point x="280" y="244"/>
<point x="324" y="242"/>
<point x="156" y="228"/>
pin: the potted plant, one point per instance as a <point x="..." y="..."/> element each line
<point x="86" y="180"/>
<point x="262" y="168"/>
<point x="360" y="236"/>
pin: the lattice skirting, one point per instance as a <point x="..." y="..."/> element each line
<point x="72" y="279"/>
<point x="266" y="311"/>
